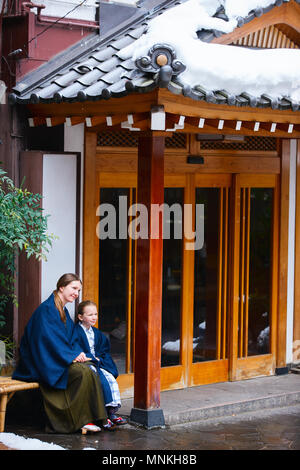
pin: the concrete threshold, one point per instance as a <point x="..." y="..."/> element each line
<point x="225" y="399"/>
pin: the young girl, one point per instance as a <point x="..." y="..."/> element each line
<point x="97" y="346"/>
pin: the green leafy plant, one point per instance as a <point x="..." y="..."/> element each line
<point x="23" y="228"/>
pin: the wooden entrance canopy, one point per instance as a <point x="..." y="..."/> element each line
<point x="154" y="108"/>
<point x="161" y="110"/>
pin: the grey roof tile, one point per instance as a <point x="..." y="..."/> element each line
<point x="71" y="91"/>
<point x="95" y="90"/>
<point x="122" y="42"/>
<point x="99" y="72"/>
<point x="109" y="64"/>
<point x="137" y="32"/>
<point x="112" y="76"/>
<point x="127" y="64"/>
<point x="103" y="54"/>
<point x="67" y="79"/>
<point x="89" y="78"/>
<point x="49" y="91"/>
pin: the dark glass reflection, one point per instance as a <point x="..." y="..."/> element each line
<point x="172" y="271"/>
<point x="206" y="279"/>
<point x="261" y="213"/>
<point x="113" y="283"/>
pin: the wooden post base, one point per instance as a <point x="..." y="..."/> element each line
<point x="149" y="419"/>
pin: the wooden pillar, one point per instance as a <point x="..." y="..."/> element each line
<point x="90" y="241"/>
<point x="283" y="257"/>
<point x="234" y="275"/>
<point x="296" y="333"/>
<point x="30" y="270"/>
<point x="150" y="190"/>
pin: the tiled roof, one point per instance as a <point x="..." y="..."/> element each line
<point x="94" y="70"/>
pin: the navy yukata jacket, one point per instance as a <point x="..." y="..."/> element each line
<point x="102" y="352"/>
<point x="48" y="347"/>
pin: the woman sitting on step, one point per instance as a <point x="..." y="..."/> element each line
<point x="50" y="354"/>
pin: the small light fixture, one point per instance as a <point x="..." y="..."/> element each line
<point x="213" y="137"/>
<point x="195" y="159"/>
<point x="220" y="138"/>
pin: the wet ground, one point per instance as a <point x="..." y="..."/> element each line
<point x="272" y="429"/>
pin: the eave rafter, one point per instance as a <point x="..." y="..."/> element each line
<point x="167" y="113"/>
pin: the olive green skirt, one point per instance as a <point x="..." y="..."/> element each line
<point x="81" y="403"/>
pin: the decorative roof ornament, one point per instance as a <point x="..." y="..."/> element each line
<point x="160" y="55"/>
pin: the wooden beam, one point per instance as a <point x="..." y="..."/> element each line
<point x="283" y="254"/>
<point x="115" y="109"/>
<point x="150" y="190"/>
<point x="181" y="105"/>
<point x="74" y="120"/>
<point x="54" y="121"/>
<point x="133" y="103"/>
<point x="35" y="121"/>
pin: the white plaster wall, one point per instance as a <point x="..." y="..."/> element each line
<point x="59" y="200"/>
<point x="87" y="11"/>
<point x="291" y="253"/>
<point x="74" y="142"/>
<point x="59" y="8"/>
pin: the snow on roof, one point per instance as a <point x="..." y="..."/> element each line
<point x="215" y="66"/>
<point x="123" y="60"/>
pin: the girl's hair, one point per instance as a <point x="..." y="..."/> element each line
<point x="63" y="281"/>
<point x="81" y="307"/>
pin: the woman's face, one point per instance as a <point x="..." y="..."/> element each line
<point x="70" y="292"/>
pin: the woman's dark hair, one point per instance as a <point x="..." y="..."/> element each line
<point x="81" y="307"/>
<point x="63" y="281"/>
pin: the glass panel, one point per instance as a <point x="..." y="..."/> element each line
<point x="113" y="281"/>
<point x="206" y="278"/>
<point x="261" y="215"/>
<point x="172" y="272"/>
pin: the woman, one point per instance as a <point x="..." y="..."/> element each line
<point x="51" y="355"/>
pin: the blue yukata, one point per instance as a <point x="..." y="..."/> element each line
<point x="97" y="347"/>
<point x="72" y="393"/>
<point x="48" y="347"/>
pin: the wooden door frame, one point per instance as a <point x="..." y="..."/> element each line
<point x="94" y="162"/>
<point x="252" y="366"/>
<point x="214" y="370"/>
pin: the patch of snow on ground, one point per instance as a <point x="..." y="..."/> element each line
<point x="14" y="441"/>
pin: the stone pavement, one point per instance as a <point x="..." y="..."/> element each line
<point x="226" y="398"/>
<point x="260" y="413"/>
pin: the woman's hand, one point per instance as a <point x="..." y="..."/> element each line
<point x="81" y="358"/>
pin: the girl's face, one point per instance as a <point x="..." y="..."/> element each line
<point x="70" y="292"/>
<point x="89" y="316"/>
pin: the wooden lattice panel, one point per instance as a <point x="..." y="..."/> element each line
<point x="250" y="143"/>
<point x="126" y="139"/>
